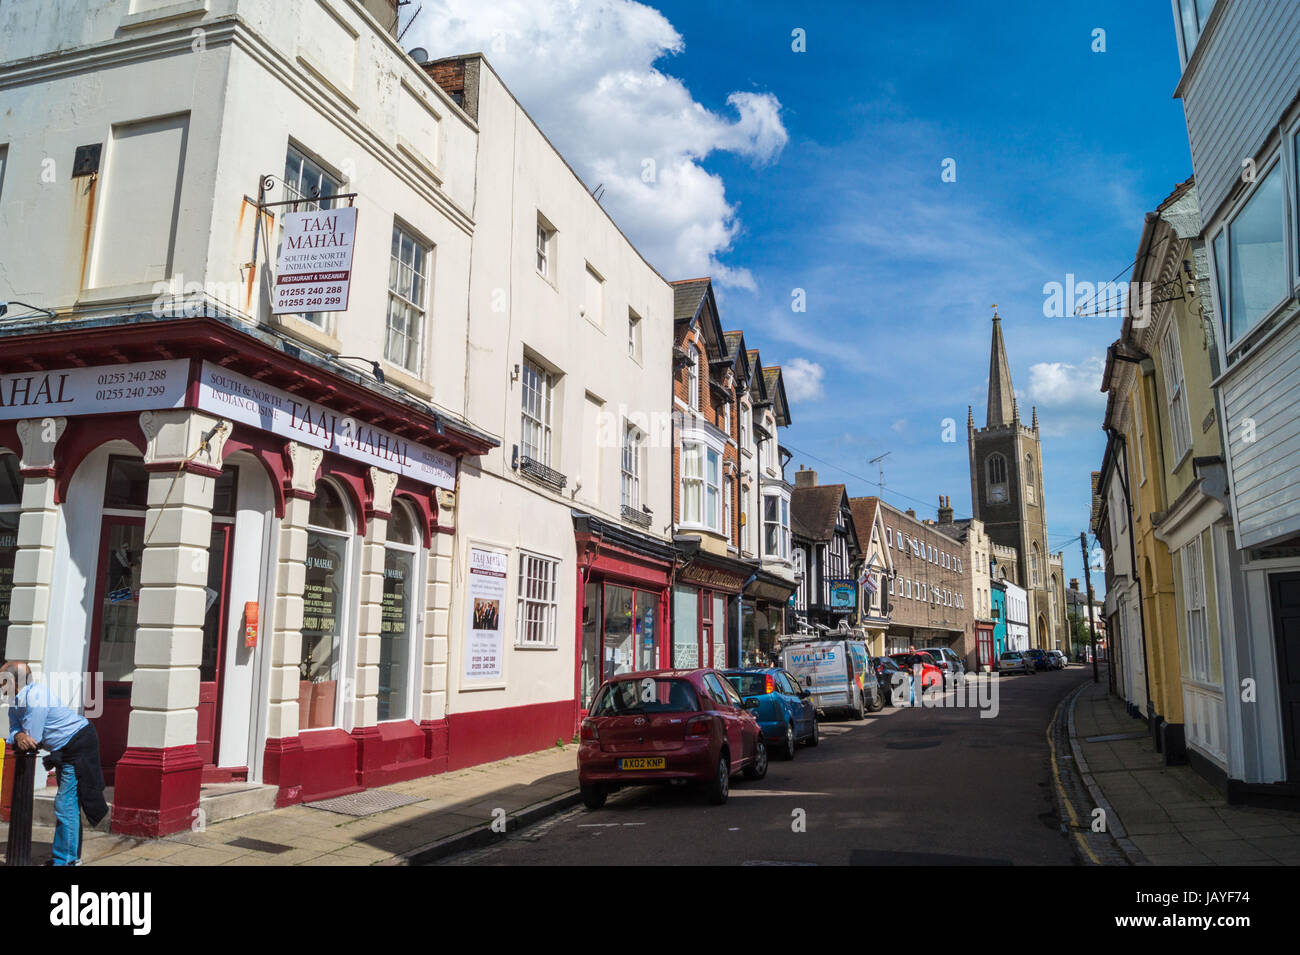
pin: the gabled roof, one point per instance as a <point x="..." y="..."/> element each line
<point x="866" y="515"/>
<point x="739" y="355"/>
<point x="688" y="296"/>
<point x="815" y="509"/>
<point x="774" y="385"/>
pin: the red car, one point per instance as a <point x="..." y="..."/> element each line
<point x="662" y="726"/>
<point x="931" y="673"/>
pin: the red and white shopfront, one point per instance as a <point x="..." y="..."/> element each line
<point x="234" y="554"/>
<point x="624" y="582"/>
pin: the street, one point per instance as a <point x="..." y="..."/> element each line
<point x="904" y="787"/>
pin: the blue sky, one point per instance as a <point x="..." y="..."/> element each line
<point x="821" y="170"/>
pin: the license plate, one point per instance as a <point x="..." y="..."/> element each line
<point x="642" y="762"/>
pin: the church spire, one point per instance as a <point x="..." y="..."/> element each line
<point x="1001" y="396"/>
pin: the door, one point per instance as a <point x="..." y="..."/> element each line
<point x="112" y="645"/>
<point x="215" y="625"/>
<point x="1284" y="589"/>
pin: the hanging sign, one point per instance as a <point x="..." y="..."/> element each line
<point x="313" y="272"/>
<point x="486" y="592"/>
<point x="844" y="593"/>
<point x="253" y="403"/>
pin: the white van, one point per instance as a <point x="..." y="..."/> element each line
<point x="837" y="673"/>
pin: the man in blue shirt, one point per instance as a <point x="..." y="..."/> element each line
<point x="38" y="719"/>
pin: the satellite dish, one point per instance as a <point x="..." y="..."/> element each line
<point x="419" y="54"/>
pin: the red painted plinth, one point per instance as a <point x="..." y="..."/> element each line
<point x="487" y="735"/>
<point x="156" y="791"/>
<point x="391" y="752"/>
<point x="435" y="743"/>
<point x="282" y="767"/>
<point x="329" y="764"/>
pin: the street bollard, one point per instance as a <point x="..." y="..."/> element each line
<point x="19" y="849"/>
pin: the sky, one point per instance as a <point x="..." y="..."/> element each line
<point x="863" y="181"/>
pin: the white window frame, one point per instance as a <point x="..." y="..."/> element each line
<point x="1195" y="614"/>
<point x="536" y="419"/>
<point x="407" y="297"/>
<point x="545" y="249"/>
<point x="693" y="379"/>
<point x="630" y="467"/>
<point x="633" y="335"/>
<point x="1175" y="393"/>
<point x="537" y="599"/>
<point x="346" y="647"/>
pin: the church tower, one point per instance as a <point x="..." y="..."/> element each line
<point x="1007" y="493"/>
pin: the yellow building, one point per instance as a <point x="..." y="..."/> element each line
<point x="1173" y="485"/>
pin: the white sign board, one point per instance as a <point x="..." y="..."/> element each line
<point x="485" y="606"/>
<point x="314" y="270"/>
<point x="250" y="402"/>
<point x="141" y="386"/>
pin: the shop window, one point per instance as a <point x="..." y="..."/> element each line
<point x="537" y="600"/>
<point x="397" y="635"/>
<point x="127" y="486"/>
<point x="591" y="630"/>
<point x="686" y="632"/>
<point x="325" y="602"/>
<point x="10" y="502"/>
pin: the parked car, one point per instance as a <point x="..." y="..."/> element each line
<point x="785" y="713"/>
<point x="1062" y="661"/>
<point x="662" y="726"/>
<point x="948" y="662"/>
<point x="1039" y="658"/>
<point x="1013" y="661"/>
<point x="931" y="674"/>
<point x="837" y="673"/>
<point x="895" y="682"/>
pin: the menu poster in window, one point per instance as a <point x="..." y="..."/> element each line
<point x="486" y="597"/>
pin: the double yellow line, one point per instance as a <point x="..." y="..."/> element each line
<point x="1075" y="826"/>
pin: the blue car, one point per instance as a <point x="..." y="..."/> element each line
<point x="785" y="713"/>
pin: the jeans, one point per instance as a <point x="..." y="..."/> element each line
<point x="67" y="818"/>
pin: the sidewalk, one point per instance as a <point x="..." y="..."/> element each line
<point x="448" y="813"/>
<point x="1167" y="815"/>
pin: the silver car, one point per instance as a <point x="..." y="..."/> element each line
<point x="1013" y="661"/>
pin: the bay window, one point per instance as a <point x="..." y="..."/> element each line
<point x="701" y="490"/>
<point x="776" y="526"/>
<point x="1253" y="275"/>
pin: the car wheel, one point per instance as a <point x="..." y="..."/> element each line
<point x="814" y="739"/>
<point x="878" y="703"/>
<point x="758" y="768"/>
<point x="720" y="786"/>
<point x="593" y="796"/>
<point x="787" y="749"/>
<point x="860" y="709"/>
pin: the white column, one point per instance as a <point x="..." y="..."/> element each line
<point x="437" y="616"/>
<point x="38" y="523"/>
<point x="173" y="575"/>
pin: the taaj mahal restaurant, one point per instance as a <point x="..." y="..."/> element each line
<point x="242" y="542"/>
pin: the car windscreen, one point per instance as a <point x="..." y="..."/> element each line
<point x="648" y="695"/>
<point x="748" y="684"/>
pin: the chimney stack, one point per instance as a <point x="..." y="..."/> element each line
<point x="945" y="509"/>
<point x="911" y="512"/>
<point x="805" y="477"/>
<point x="1074" y="583"/>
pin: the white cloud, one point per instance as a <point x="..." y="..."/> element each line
<point x="803" y="379"/>
<point x="1060" y="384"/>
<point x="899" y="426"/>
<point x="586" y="71"/>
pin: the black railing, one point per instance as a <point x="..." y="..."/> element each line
<point x="541" y="473"/>
<point x="636" y="516"/>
